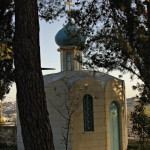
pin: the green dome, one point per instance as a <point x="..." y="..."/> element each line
<point x="69" y="36"/>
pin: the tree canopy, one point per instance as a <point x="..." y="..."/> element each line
<point x="6" y="44"/>
<point x="117" y="33"/>
<point x="118" y="37"/>
<point x="6" y="21"/>
<point x="141" y="124"/>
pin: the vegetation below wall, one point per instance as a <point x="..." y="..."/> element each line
<point x="8" y="135"/>
<point x="134" y="145"/>
<point x="5" y="147"/>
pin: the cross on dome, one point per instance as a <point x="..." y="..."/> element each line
<point x="69" y="4"/>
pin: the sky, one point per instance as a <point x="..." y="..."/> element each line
<point x="50" y="58"/>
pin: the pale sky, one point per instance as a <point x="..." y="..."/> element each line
<point x="50" y="57"/>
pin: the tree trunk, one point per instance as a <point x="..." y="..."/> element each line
<point x="34" y="120"/>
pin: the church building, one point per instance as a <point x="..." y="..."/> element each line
<point x="87" y="109"/>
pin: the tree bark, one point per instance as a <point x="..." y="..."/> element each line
<point x="34" y="120"/>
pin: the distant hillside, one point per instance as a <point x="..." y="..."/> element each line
<point x="9" y="113"/>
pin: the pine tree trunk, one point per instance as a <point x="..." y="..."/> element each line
<point x="36" y="130"/>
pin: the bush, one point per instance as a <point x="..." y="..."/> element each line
<point x="5" y="147"/>
<point x="133" y="145"/>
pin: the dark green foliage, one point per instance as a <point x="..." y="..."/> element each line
<point x="5" y="147"/>
<point x="133" y="145"/>
<point x="141" y="124"/>
<point x="6" y="23"/>
<point x="51" y="10"/>
<point x="6" y="37"/>
<point x="6" y="77"/>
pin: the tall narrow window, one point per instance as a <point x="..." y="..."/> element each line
<point x="114" y="126"/>
<point x="68" y="61"/>
<point x="62" y="63"/>
<point x="77" y="61"/>
<point x="88" y="113"/>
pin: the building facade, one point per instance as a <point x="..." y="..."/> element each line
<point x="87" y="109"/>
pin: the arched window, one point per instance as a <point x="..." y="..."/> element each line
<point x="88" y="113"/>
<point x="68" y="61"/>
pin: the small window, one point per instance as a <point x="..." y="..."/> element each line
<point x="77" y="61"/>
<point x="68" y="61"/>
<point x="88" y="113"/>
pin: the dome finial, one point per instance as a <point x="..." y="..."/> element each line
<point x="69" y="35"/>
<point x="69" y="4"/>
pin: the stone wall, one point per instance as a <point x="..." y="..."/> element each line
<point x="8" y="135"/>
